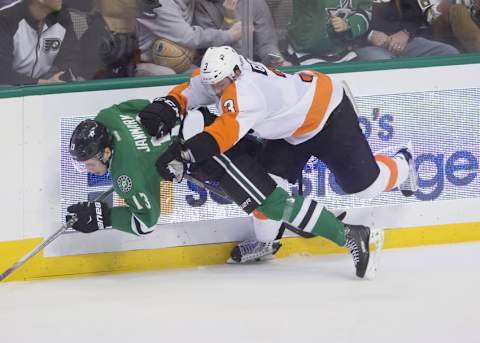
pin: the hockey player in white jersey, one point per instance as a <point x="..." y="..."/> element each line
<point x="300" y="115"/>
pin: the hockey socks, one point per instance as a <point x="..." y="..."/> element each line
<point x="393" y="172"/>
<point x="306" y="215"/>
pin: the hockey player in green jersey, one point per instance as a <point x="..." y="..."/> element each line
<point x="115" y="141"/>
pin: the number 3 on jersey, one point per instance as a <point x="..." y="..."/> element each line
<point x="144" y="199"/>
<point x="229" y="105"/>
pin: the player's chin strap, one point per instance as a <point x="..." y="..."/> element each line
<point x="107" y="162"/>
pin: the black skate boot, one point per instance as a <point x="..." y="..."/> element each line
<point x="358" y="242"/>
<point x="252" y="251"/>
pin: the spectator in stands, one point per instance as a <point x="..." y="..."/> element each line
<point x="223" y="14"/>
<point x="457" y="23"/>
<point x="173" y="20"/>
<point x="38" y="43"/>
<point x="397" y="30"/>
<point x="84" y="5"/>
<point x="327" y="30"/>
<point x="109" y="45"/>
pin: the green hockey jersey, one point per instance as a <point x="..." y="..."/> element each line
<point x="310" y="31"/>
<point x="132" y="167"/>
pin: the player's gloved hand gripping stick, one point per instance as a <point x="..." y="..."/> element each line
<point x="69" y="224"/>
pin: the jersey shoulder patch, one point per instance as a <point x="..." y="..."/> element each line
<point x="124" y="183"/>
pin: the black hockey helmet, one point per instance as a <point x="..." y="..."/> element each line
<point x="88" y="140"/>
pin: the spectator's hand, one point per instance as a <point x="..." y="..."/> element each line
<point x="54" y="79"/>
<point x="379" y="39"/>
<point x="443" y="6"/>
<point x="236" y="31"/>
<point x="339" y="24"/>
<point x="230" y="6"/>
<point x="284" y="63"/>
<point x="275" y="60"/>
<point x="398" y="42"/>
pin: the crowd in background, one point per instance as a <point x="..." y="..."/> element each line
<point x="51" y="41"/>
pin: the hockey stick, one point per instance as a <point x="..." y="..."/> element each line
<point x="221" y="192"/>
<point x="206" y="186"/>
<point x="50" y="239"/>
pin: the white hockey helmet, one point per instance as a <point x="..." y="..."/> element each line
<point x="219" y="63"/>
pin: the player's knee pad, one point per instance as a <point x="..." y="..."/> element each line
<point x="377" y="186"/>
<point x="245" y="181"/>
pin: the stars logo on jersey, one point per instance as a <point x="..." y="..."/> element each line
<point x="124" y="182"/>
<point x="343" y="10"/>
<point x="52" y="44"/>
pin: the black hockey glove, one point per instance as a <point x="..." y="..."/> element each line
<point x="172" y="164"/>
<point x="160" y="116"/>
<point x="91" y="216"/>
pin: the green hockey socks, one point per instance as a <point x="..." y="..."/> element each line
<point x="306" y="215"/>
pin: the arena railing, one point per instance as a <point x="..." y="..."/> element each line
<point x="155" y="81"/>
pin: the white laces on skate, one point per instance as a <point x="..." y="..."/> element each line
<point x="252" y="250"/>
<point x="353" y="248"/>
<point x="254" y="247"/>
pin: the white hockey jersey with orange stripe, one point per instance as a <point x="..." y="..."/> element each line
<point x="275" y="105"/>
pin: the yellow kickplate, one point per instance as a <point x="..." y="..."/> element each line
<point x="209" y="254"/>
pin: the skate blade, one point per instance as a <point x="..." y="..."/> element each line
<point x="258" y="259"/>
<point x="376" y="240"/>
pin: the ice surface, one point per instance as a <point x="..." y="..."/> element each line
<point x="428" y="294"/>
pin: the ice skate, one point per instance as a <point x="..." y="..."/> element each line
<point x="252" y="251"/>
<point x="359" y="238"/>
<point x="410" y="185"/>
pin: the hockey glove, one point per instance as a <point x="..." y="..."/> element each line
<point x="91" y="216"/>
<point x="160" y="116"/>
<point x="172" y="164"/>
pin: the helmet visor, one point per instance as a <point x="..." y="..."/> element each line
<point x="92" y="165"/>
<point x="79" y="166"/>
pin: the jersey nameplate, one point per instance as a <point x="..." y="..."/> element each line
<point x="137" y="133"/>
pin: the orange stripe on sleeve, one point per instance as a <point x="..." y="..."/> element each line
<point x="226" y="128"/>
<point x="316" y="112"/>
<point x="176" y="92"/>
<point x="196" y="72"/>
<point x="390" y="163"/>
